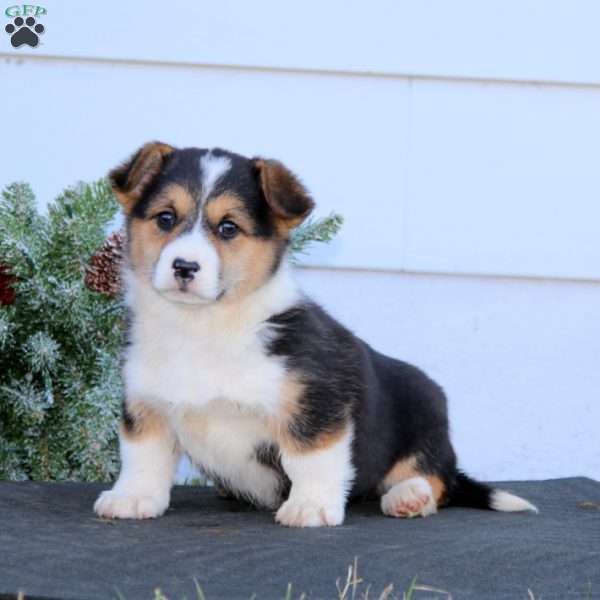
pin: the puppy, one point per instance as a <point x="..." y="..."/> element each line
<point x="230" y="363"/>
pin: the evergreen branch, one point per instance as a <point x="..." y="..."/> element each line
<point x="314" y="230"/>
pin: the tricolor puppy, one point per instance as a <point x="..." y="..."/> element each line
<point x="229" y="362"/>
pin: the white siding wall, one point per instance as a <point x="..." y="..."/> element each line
<point x="459" y="139"/>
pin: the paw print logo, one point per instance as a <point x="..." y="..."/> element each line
<point x="24" y="32"/>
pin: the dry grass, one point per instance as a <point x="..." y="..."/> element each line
<point x="353" y="587"/>
<point x="588" y="594"/>
<point x="349" y="590"/>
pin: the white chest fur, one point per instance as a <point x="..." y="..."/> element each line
<point x="185" y="366"/>
<point x="185" y="357"/>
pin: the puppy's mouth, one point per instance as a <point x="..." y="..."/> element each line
<point x="184" y="296"/>
<point x="187" y="292"/>
<point x="183" y="285"/>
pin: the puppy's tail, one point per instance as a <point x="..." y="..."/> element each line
<point x="474" y="494"/>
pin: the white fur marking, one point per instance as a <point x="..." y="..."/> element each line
<point x="212" y="168"/>
<point x="321" y="480"/>
<point x="507" y="502"/>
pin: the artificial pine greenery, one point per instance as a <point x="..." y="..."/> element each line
<point x="315" y="230"/>
<point x="60" y="389"/>
<point x="59" y="379"/>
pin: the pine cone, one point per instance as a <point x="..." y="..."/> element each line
<point x="103" y="274"/>
<point x="7" y="292"/>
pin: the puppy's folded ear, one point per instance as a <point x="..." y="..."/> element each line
<point x="130" y="179"/>
<point x="284" y="193"/>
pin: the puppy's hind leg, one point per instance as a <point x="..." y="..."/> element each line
<point x="412" y="497"/>
<point x="408" y="492"/>
<point x="149" y="455"/>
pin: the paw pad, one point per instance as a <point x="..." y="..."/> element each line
<point x="24" y="31"/>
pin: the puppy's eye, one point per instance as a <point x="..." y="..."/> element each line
<point x="227" y="230"/>
<point x="165" y="220"/>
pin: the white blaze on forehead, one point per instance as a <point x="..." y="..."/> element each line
<point x="212" y="168"/>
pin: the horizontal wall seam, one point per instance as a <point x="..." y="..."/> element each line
<point x="542" y="279"/>
<point x="25" y="57"/>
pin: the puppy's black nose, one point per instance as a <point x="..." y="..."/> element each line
<point x="185" y="269"/>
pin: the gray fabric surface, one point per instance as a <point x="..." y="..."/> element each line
<point x="52" y="546"/>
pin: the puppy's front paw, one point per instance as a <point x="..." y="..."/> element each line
<point x="309" y="513"/>
<point x="114" y="505"/>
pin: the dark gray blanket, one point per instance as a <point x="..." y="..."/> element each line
<point x="53" y="546"/>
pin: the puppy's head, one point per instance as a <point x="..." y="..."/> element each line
<point x="206" y="225"/>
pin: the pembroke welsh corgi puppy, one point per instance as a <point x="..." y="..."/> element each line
<point x="229" y="362"/>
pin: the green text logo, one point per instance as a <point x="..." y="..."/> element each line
<point x="25" y="10"/>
